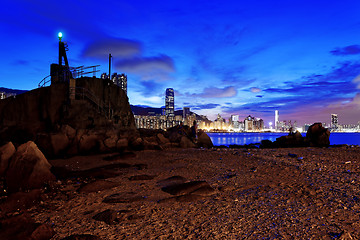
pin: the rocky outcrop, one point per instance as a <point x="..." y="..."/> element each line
<point x="48" y="117"/>
<point x="318" y="136"/>
<point x="6" y="152"/>
<point x="24" y="227"/>
<point x="204" y="140"/>
<point x="28" y="169"/>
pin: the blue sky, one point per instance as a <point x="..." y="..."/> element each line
<point x="229" y="57"/>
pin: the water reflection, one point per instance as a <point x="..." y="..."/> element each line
<point x="248" y="138"/>
<point x="241" y="138"/>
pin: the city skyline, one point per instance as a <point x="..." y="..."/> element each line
<point x="244" y="59"/>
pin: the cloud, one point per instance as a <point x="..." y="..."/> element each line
<point x="148" y="88"/>
<point x="255" y="90"/>
<point x="348" y="50"/>
<point x="161" y="63"/>
<point x="213" y="92"/>
<point x="204" y="106"/>
<point x="117" y="47"/>
<point x="357" y="81"/>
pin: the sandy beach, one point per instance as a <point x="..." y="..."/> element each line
<point x="295" y="193"/>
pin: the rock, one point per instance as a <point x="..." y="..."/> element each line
<point x="43" y="232"/>
<point x="291" y="140"/>
<point x="171" y="181"/>
<point x="204" y="140"/>
<point x="20" y="200"/>
<point x="185" y="142"/>
<point x="98" y="185"/>
<point x="318" y="136"/>
<point x="28" y="169"/>
<point x="123" y="198"/>
<point x="6" y="152"/>
<point x="189" y="197"/>
<point x="82" y="237"/>
<point x="137" y="144"/>
<point x="89" y="143"/>
<point x="107" y="216"/>
<point x="110" y="142"/>
<point x="122" y="144"/>
<point x="59" y="143"/>
<point x="204" y="191"/>
<point x="162" y="139"/>
<point x="68" y="131"/>
<point x="141" y="177"/>
<point x="185" y="188"/>
<point x="24" y="227"/>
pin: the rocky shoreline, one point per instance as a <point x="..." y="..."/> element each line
<point x="282" y="193"/>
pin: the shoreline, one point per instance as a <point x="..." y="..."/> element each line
<point x="292" y="193"/>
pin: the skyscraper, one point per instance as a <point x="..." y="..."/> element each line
<point x="276" y="119"/>
<point x="169" y="102"/>
<point x="334" y="121"/>
<point x="120" y="80"/>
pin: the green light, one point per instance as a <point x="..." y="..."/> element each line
<point x="60" y="35"/>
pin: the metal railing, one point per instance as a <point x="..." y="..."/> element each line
<point x="102" y="107"/>
<point x="43" y="82"/>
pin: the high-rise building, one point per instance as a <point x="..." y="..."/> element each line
<point x="120" y="80"/>
<point x="169" y="102"/>
<point x="334" y="121"/>
<point x="276" y="119"/>
<point x="104" y="76"/>
<point x="186" y="112"/>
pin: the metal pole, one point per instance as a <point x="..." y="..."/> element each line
<point x="110" y="66"/>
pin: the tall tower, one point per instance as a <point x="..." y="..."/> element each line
<point x="169" y="102"/>
<point x="276" y="119"/>
<point x="334" y="121"/>
<point x="120" y="80"/>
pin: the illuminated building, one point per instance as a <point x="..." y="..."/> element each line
<point x="234" y="121"/>
<point x="169" y="102"/>
<point x="276" y="119"/>
<point x="253" y="124"/>
<point x="334" y="121"/>
<point x="120" y="80"/>
<point x="2" y="95"/>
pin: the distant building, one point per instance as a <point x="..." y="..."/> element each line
<point x="156" y="122"/>
<point x="334" y="121"/>
<point x="234" y="122"/>
<point x="120" y="80"/>
<point x="276" y="119"/>
<point x="169" y="102"/>
<point x="2" y="95"/>
<point x="253" y="124"/>
<point x="104" y="76"/>
<point x="186" y="112"/>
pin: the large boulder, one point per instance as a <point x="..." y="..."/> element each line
<point x="204" y="140"/>
<point x="318" y="136"/>
<point x="53" y="144"/>
<point x="24" y="227"/>
<point x="291" y="140"/>
<point x="89" y="143"/>
<point x="6" y="152"/>
<point x="28" y="169"/>
<point x="185" y="142"/>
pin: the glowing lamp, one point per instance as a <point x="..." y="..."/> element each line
<point x="60" y="35"/>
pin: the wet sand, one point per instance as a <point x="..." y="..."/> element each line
<point x="295" y="193"/>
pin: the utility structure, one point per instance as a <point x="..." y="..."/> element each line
<point x="60" y="72"/>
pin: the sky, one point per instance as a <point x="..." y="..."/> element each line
<point x="243" y="58"/>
